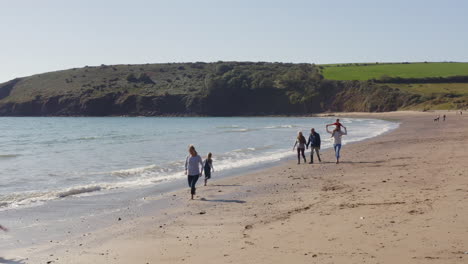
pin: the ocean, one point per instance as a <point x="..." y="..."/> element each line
<point x="43" y="159"/>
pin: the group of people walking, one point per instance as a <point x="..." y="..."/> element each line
<point x="314" y="141"/>
<point x="195" y="166"/>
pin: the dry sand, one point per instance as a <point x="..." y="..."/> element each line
<point x="398" y="198"/>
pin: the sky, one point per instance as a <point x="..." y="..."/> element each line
<point x="49" y="35"/>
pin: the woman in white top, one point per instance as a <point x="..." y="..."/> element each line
<point x="193" y="168"/>
<point x="336" y="134"/>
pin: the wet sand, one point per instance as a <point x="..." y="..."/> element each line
<point x="398" y="198"/>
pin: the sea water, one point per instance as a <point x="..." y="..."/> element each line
<point x="50" y="158"/>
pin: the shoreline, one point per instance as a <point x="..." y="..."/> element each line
<point x="236" y="215"/>
<point x="100" y="188"/>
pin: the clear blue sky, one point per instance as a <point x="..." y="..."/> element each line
<point x="40" y="36"/>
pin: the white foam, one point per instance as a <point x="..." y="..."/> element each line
<point x="38" y="197"/>
<point x="76" y="191"/>
<point x="133" y="171"/>
<point x="240" y="130"/>
<point x="280" y="126"/>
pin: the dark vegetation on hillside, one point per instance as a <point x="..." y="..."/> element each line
<point x="215" y="89"/>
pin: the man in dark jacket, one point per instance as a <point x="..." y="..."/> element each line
<point x="314" y="141"/>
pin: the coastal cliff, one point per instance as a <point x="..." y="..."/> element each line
<point x="212" y="89"/>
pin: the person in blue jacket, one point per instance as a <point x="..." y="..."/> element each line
<point x="314" y="141"/>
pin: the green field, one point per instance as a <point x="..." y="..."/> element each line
<point x="429" y="89"/>
<point x="438" y="96"/>
<point x="435" y="95"/>
<point x="376" y="71"/>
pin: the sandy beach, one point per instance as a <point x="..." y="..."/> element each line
<point x="398" y="198"/>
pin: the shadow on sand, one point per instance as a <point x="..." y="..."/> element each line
<point x="222" y="201"/>
<point x="225" y="185"/>
<point x="11" y="261"/>
<point x="363" y="162"/>
<point x="351" y="162"/>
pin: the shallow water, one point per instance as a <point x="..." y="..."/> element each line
<point x="50" y="158"/>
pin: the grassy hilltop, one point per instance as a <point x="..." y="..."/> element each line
<point x="441" y="85"/>
<point x="365" y="71"/>
<point x="236" y="88"/>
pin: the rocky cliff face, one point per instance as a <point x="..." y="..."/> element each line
<point x="107" y="105"/>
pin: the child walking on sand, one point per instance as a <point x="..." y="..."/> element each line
<point x="301" y="144"/>
<point x="208" y="167"/>
<point x="192" y="168"/>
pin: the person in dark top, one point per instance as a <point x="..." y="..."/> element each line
<point x="208" y="167"/>
<point x="314" y="141"/>
<point x="300" y="143"/>
<point x="444" y="118"/>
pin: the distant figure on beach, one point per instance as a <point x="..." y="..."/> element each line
<point x="314" y="141"/>
<point x="336" y="134"/>
<point x="437" y="119"/>
<point x="193" y="168"/>
<point x="3" y="228"/>
<point x="337" y="124"/>
<point x="208" y="167"/>
<point x="301" y="144"/>
<point x="444" y="118"/>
